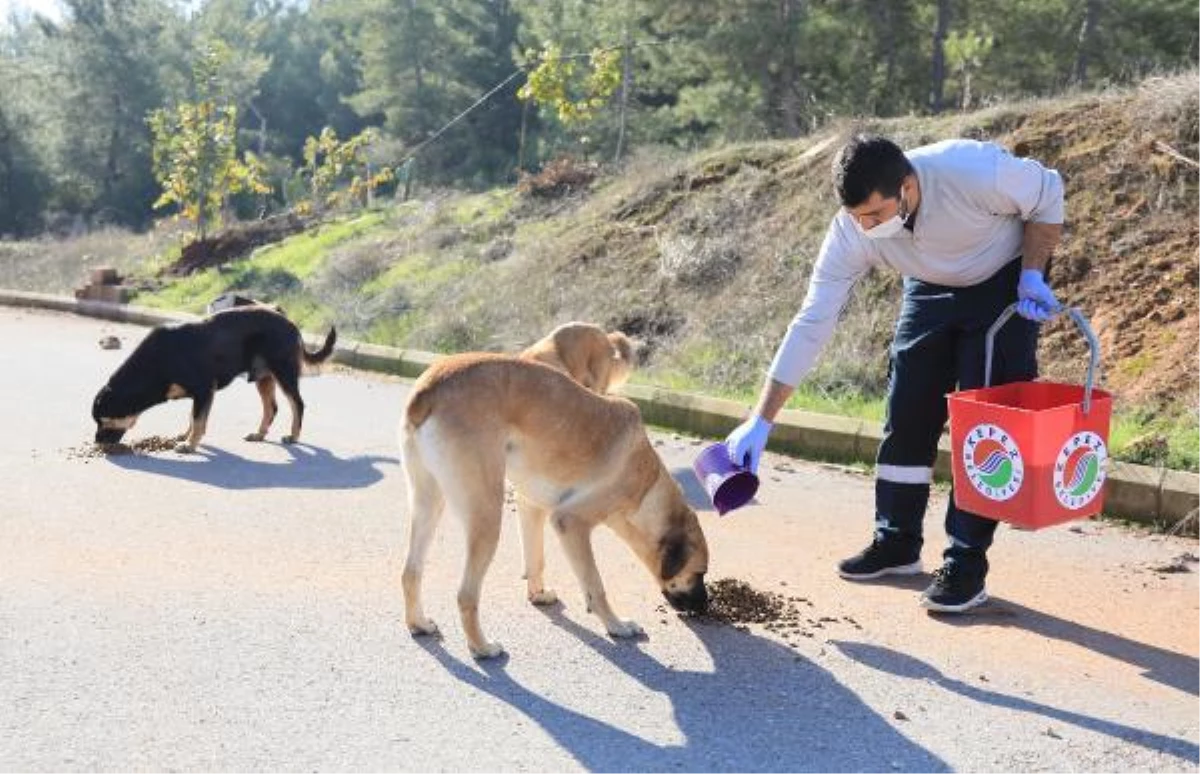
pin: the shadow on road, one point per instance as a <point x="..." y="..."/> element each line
<point x="1179" y="671"/>
<point x="902" y="665"/>
<point x="761" y="708"/>
<point x="309" y="468"/>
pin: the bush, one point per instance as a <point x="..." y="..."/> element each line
<point x="558" y="178"/>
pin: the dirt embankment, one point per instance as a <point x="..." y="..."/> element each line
<point x="705" y="258"/>
<point x="1130" y="255"/>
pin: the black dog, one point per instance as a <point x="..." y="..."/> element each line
<point x="194" y="360"/>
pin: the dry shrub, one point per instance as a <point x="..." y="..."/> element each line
<point x="53" y="265"/>
<point x="1168" y="108"/>
<point x="496" y="250"/>
<point x="353" y="266"/>
<point x="558" y="178"/>
<point x="1168" y="116"/>
<point x="339" y="285"/>
<point x="697" y="261"/>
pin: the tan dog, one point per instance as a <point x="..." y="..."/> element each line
<point x="599" y="361"/>
<point x="578" y="458"/>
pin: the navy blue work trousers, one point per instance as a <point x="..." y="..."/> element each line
<point x="939" y="346"/>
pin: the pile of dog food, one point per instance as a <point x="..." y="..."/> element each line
<point x="148" y="445"/>
<point x="736" y="602"/>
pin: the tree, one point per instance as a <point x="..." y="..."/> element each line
<point x="429" y="69"/>
<point x="576" y="97"/>
<point x="106" y="57"/>
<point x="24" y="182"/>
<point x="1087" y="36"/>
<point x="340" y="173"/>
<point x="938" y="78"/>
<point x="238" y="27"/>
<point x="314" y="66"/>
<point x="965" y="53"/>
<point x="195" y="151"/>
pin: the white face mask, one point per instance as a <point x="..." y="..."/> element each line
<point x="889" y="228"/>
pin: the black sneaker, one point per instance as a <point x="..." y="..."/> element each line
<point x="954" y="590"/>
<point x="883" y="557"/>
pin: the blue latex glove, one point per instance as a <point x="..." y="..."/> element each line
<point x="747" y="441"/>
<point x="1035" y="299"/>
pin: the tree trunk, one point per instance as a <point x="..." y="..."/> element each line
<point x="787" y="87"/>
<point x="939" y="56"/>
<point x="1087" y="33"/>
<point x="112" y="168"/>
<point x="626" y="79"/>
<point x="520" y="140"/>
<point x="262" y="128"/>
<point x="886" y="18"/>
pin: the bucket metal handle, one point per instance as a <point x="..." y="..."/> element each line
<point x="1080" y="320"/>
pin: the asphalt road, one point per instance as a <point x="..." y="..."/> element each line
<point x="240" y="609"/>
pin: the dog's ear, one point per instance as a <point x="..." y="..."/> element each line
<point x="625" y="348"/>
<point x="673" y="552"/>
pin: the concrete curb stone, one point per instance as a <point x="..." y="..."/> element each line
<point x="1135" y="492"/>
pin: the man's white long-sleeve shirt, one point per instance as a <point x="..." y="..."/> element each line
<point x="975" y="200"/>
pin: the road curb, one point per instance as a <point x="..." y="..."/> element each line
<point x="1135" y="492"/>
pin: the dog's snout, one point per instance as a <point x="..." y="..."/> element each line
<point x="692" y="600"/>
<point x="109" y="434"/>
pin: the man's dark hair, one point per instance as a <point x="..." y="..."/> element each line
<point x="868" y="164"/>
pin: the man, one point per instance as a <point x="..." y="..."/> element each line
<point x="971" y="228"/>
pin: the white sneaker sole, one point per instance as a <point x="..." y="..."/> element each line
<point x="937" y="607"/>
<point x="901" y="569"/>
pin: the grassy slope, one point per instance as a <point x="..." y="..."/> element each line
<point x="705" y="258"/>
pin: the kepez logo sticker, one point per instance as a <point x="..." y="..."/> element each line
<point x="993" y="462"/>
<point x="1079" y="471"/>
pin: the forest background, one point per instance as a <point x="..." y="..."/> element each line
<point x="76" y="92"/>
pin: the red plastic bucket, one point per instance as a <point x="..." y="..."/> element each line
<point x="1032" y="454"/>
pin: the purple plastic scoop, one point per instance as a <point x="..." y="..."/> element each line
<point x="729" y="486"/>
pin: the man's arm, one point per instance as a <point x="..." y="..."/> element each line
<point x="841" y="261"/>
<point x="1039" y="243"/>
<point x="772" y="399"/>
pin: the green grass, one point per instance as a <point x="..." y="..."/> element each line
<point x="394" y="331"/>
<point x="1165" y="441"/>
<point x="860" y="408"/>
<point x="189" y="294"/>
<point x="479" y="211"/>
<point x="280" y="269"/>
<point x="304" y="253"/>
<point x="421" y="271"/>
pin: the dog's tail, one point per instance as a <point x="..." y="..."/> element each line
<point x="322" y="354"/>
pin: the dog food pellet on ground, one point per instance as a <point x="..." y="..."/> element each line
<point x="150" y="444"/>
<point x="735" y="602"/>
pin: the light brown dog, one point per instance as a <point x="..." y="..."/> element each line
<point x="598" y="360"/>
<point x="578" y="458"/>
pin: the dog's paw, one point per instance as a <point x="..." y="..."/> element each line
<point x="183" y="447"/>
<point x="423" y="627"/>
<point x="289" y="439"/>
<point x="255" y="437"/>
<point x="487" y="650"/>
<point x="620" y="628"/>
<point x="543" y="597"/>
